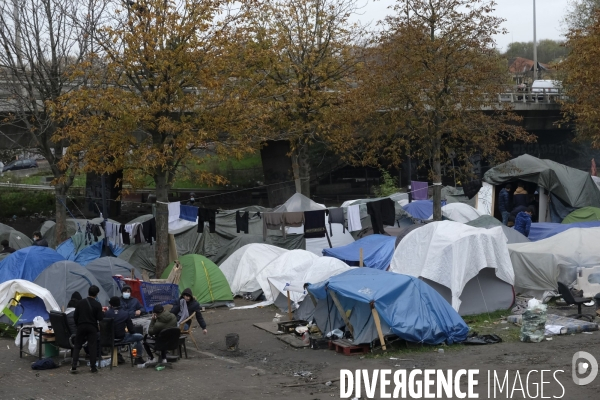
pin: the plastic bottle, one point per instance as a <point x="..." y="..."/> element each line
<point x="134" y="353"/>
<point x="160" y="367"/>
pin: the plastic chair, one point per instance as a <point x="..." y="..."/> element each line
<point x="570" y="299"/>
<point x="62" y="334"/>
<point x="168" y="339"/>
<point x="185" y="333"/>
<point x="107" y="339"/>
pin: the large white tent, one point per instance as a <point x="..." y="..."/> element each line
<point x="540" y="265"/>
<point x="459" y="212"/>
<point x="468" y="266"/>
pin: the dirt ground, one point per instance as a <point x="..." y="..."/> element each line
<point x="266" y="368"/>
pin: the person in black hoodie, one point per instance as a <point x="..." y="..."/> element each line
<point x="87" y="314"/>
<point x="193" y="307"/>
<point x="121" y="321"/>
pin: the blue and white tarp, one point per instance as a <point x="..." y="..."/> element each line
<point x="407" y="307"/>
<point x="544" y="230"/>
<point x="378" y="251"/>
<point x="27" y="263"/>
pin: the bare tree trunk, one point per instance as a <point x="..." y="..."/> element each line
<point x="437" y="180"/>
<point x="162" y="223"/>
<point x="304" y="170"/>
<point x="60" y="230"/>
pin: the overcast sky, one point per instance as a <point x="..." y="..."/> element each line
<point x="517" y="13"/>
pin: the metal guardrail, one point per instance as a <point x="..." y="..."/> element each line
<point x="542" y="96"/>
<point x="26" y="187"/>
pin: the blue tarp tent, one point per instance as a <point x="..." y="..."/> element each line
<point x="82" y="255"/>
<point x="544" y="230"/>
<point x="27" y="263"/>
<point x="407" y="307"/>
<point x="377" y="251"/>
<point x="421" y="209"/>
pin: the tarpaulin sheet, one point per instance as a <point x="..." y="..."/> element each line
<point x="544" y="230"/>
<point x="27" y="263"/>
<point x="377" y="251"/>
<point x="407" y="307"/>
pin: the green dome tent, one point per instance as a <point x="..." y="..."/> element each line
<point x="585" y="214"/>
<point x="204" y="277"/>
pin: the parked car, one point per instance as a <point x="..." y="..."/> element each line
<point x="20" y="164"/>
<point x="542" y="87"/>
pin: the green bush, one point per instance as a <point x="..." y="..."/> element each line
<point x="23" y="203"/>
<point x="387" y="187"/>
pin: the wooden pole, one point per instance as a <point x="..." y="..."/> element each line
<point x="361" y="258"/>
<point x="289" y="305"/>
<point x="342" y="312"/>
<point x="378" y="326"/>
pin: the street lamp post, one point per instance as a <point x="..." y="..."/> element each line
<point x="535" y="61"/>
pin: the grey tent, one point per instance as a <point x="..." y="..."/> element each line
<point x="141" y="256"/>
<point x="73" y="226"/>
<point x="487" y="222"/>
<point x="16" y="239"/>
<point x="402" y="216"/>
<point x="105" y="268"/>
<point x="574" y="188"/>
<point x="291" y="242"/>
<point x="63" y="278"/>
<point x="456" y="195"/>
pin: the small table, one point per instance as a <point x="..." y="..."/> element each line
<point x="42" y="337"/>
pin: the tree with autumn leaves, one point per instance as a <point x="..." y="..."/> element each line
<point x="167" y="82"/>
<point x="429" y="88"/>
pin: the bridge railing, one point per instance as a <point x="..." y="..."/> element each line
<point x="543" y="96"/>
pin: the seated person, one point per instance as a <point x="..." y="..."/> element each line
<point x="129" y="304"/>
<point x="38" y="240"/>
<point x="122" y="321"/>
<point x="193" y="307"/>
<point x="161" y="319"/>
<point x="6" y="248"/>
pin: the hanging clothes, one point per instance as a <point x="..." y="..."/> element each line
<point x="188" y="213"/>
<point x="314" y="224"/>
<point x="113" y="233"/>
<point x="241" y="221"/>
<point x="472" y="188"/>
<point x="336" y="216"/>
<point x="124" y="234"/>
<point x="419" y="190"/>
<point x="273" y="221"/>
<point x="293" y="219"/>
<point x="382" y="212"/>
<point x="353" y="214"/>
<point x="149" y="230"/>
<point x="207" y="215"/>
<point x="174" y="211"/>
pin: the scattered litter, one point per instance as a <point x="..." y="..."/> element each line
<point x="587" y="333"/>
<point x="328" y="383"/>
<point x="504" y="322"/>
<point x="505" y="329"/>
<point x="441" y="351"/>
<point x="393" y="358"/>
<point x="303" y="373"/>
<point x="548" y="338"/>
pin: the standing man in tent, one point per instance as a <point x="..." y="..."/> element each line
<point x="187" y="300"/>
<point x="88" y="313"/>
<point x="504" y="203"/>
<point x="129" y="304"/>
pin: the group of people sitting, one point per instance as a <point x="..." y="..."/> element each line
<point x="84" y="315"/>
<point x="518" y="211"/>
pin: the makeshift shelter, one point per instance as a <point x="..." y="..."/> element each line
<point x="420" y="209"/>
<point x="27" y="263"/>
<point x="80" y="250"/>
<point x="458" y="212"/>
<point x="16" y="239"/>
<point x="204" y="278"/>
<point x="406" y="307"/>
<point x="402" y="217"/>
<point x="105" y="268"/>
<point x="300" y="203"/>
<point x="569" y="188"/>
<point x="293" y="280"/>
<point x="291" y="242"/>
<point x="470" y="267"/>
<point x="487" y="222"/>
<point x="585" y="214"/>
<point x="63" y="278"/>
<point x="544" y="230"/>
<point x="242" y="267"/>
<point x="540" y="265"/>
<point x="377" y="251"/>
<point x="25" y="300"/>
<point x="74" y="225"/>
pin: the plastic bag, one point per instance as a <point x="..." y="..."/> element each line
<point x="39" y="322"/>
<point x="335" y="334"/>
<point x="33" y="344"/>
<point x="533" y="326"/>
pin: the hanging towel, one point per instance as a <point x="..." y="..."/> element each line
<point x="336" y="216"/>
<point x="207" y="215"/>
<point x="354" y="223"/>
<point x="188" y="213"/>
<point x="183" y="311"/>
<point x="174" y="211"/>
<point x="272" y="221"/>
<point x="314" y="224"/>
<point x="241" y="221"/>
<point x="382" y="212"/>
<point x="295" y="219"/>
<point x="419" y="190"/>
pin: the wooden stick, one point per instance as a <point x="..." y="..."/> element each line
<point x="289" y="305"/>
<point x="378" y="326"/>
<point x="342" y="312"/>
<point x="361" y="258"/>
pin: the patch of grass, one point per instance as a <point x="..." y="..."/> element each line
<point x="492" y="323"/>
